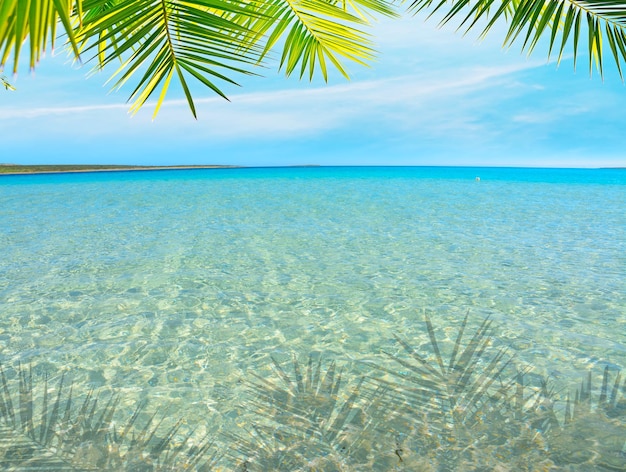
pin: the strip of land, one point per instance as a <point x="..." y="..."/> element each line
<point x="15" y="169"/>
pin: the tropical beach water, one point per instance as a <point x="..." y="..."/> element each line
<point x="177" y="286"/>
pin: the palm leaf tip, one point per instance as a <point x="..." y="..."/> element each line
<point x="4" y="83"/>
<point x="315" y="33"/>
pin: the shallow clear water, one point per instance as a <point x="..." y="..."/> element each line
<point x="178" y="284"/>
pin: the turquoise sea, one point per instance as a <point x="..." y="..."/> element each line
<point x="176" y="287"/>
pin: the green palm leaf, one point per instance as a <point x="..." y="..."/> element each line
<point x="317" y="31"/>
<point x="559" y="22"/>
<point x="158" y="40"/>
<point x="213" y="41"/>
<point x="155" y="41"/>
<point x="35" y="20"/>
<point x="4" y="83"/>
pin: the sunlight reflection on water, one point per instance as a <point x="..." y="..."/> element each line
<point x="179" y="284"/>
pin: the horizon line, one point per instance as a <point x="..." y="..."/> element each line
<point x="97" y="168"/>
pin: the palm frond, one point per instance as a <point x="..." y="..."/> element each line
<point x="158" y="40"/>
<point x="317" y="31"/>
<point x="561" y="24"/>
<point x="208" y="41"/>
<point x="37" y="21"/>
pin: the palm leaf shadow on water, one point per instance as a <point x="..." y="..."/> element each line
<point x="589" y="437"/>
<point x="310" y="420"/>
<point x="59" y="432"/>
<point x="472" y="412"/>
<point x="443" y="412"/>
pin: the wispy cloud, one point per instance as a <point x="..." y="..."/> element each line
<point x="396" y="102"/>
<point x="39" y="112"/>
<point x="282" y="104"/>
<point x="431" y="94"/>
<point x="434" y="108"/>
<point x="549" y="116"/>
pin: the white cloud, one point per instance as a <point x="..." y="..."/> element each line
<point x="398" y="102"/>
<point x="39" y="112"/>
<point x="431" y="93"/>
<point x="549" y="116"/>
<point x="437" y="104"/>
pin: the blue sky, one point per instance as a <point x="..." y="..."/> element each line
<point x="432" y="97"/>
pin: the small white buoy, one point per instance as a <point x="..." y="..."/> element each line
<point x="477" y="179"/>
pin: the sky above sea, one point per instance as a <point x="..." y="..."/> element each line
<point x="432" y="97"/>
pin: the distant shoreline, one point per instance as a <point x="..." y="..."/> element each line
<point x="10" y="169"/>
<point x="16" y="169"/>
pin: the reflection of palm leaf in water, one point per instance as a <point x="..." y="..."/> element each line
<point x="612" y="404"/>
<point x="445" y="404"/>
<point x="456" y="389"/>
<point x="462" y="414"/>
<point x="588" y="438"/>
<point x="66" y="435"/>
<point x="311" y="421"/>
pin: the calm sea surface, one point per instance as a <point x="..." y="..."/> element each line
<point x="177" y="285"/>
